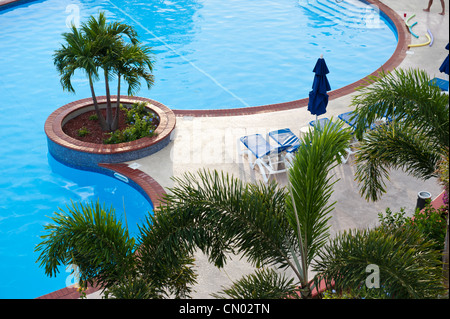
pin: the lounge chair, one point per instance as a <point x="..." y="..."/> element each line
<point x="285" y="137"/>
<point x="441" y="83"/>
<point x="347" y="118"/>
<point x="323" y="121"/>
<point x="267" y="157"/>
<point x="320" y="122"/>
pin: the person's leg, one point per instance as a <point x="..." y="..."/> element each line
<point x="429" y="6"/>
<point x="443" y="7"/>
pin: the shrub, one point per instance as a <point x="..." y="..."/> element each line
<point x="408" y="265"/>
<point x="141" y="123"/>
<point x="432" y="223"/>
<point x="82" y="132"/>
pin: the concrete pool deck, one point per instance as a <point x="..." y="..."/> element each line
<point x="211" y="142"/>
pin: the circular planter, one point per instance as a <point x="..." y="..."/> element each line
<point x="85" y="155"/>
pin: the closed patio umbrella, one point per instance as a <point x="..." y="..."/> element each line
<point x="318" y="97"/>
<point x="444" y="66"/>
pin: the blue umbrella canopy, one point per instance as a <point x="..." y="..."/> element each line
<point x="318" y="97"/>
<point x="444" y="65"/>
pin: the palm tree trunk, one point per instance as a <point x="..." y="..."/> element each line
<point x="101" y="119"/>
<point x="305" y="290"/>
<point x="109" y="116"/>
<point x="115" y="124"/>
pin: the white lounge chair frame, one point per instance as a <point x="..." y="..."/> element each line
<point x="268" y="164"/>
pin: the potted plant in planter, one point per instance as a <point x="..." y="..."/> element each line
<point x="100" y="46"/>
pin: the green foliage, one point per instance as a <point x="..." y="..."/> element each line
<point x="312" y="185"/>
<point x="141" y="123"/>
<point x="93" y="117"/>
<point x="98" y="45"/>
<point x="408" y="264"/>
<point x="393" y="220"/>
<point x="333" y="294"/>
<point x="263" y="284"/>
<point x="415" y="141"/>
<point x="91" y="237"/>
<point x="442" y="171"/>
<point x="432" y="224"/>
<point x="82" y="132"/>
<point x="136" y="288"/>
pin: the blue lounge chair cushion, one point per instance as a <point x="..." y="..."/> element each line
<point x="286" y="138"/>
<point x="321" y="122"/>
<point x="346" y="117"/>
<point x="258" y="145"/>
<point x="441" y="83"/>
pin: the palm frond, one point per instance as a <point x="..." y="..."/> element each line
<point x="263" y="284"/>
<point x="90" y="236"/>
<point x="220" y="215"/>
<point x="312" y="186"/>
<point x="404" y="95"/>
<point x="394" y="146"/>
<point x="408" y="265"/>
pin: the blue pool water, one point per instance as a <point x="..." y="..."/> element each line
<point x="210" y="54"/>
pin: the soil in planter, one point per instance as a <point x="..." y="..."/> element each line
<point x="95" y="135"/>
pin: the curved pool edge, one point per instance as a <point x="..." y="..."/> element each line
<point x="69" y="150"/>
<point x="153" y="190"/>
<point x="403" y="39"/>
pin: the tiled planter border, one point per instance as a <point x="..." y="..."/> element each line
<point x="73" y="152"/>
<point x="70" y="151"/>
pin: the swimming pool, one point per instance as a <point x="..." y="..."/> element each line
<point x="25" y="206"/>
<point x="210" y="54"/>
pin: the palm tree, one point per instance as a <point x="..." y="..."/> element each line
<point x="382" y="263"/>
<point x="220" y="214"/>
<point x="91" y="237"/>
<point x="215" y="213"/>
<point x="78" y="54"/>
<point x="133" y="63"/>
<point x="101" y="45"/>
<point x="417" y="139"/>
